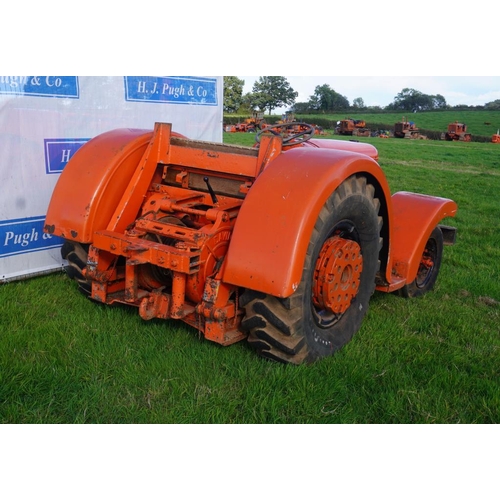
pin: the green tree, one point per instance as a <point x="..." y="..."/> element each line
<point x="358" y="103"/>
<point x="233" y="93"/>
<point x="301" y="108"/>
<point x="411" y="100"/>
<point x="439" y="102"/>
<point x="326" y="99"/>
<point x="271" y="92"/>
<point x="493" y="105"/>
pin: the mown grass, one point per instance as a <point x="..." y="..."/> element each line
<point x="65" y="359"/>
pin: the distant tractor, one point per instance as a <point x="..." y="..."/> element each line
<point x="290" y="125"/>
<point x="406" y="130"/>
<point x="495" y="138"/>
<point x="456" y="132"/>
<point x="352" y="127"/>
<point x="252" y="125"/>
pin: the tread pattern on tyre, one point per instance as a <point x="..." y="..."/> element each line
<point x="76" y="255"/>
<point x="275" y="326"/>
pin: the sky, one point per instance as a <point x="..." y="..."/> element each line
<point x="381" y="90"/>
<point x="360" y="39"/>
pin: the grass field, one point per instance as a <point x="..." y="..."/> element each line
<point x="431" y="360"/>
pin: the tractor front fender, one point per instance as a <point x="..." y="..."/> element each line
<point x="414" y="218"/>
<point x="274" y="226"/>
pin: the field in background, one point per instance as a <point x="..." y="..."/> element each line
<point x="481" y="124"/>
<point x="436" y="359"/>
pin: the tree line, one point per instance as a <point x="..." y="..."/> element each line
<point x="272" y="92"/>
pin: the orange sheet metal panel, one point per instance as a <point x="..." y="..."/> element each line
<point x="93" y="182"/>
<point x="276" y="220"/>
<point x="355" y="147"/>
<point x="221" y="158"/>
<point x="414" y="218"/>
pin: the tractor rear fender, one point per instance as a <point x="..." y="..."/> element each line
<point x="275" y="223"/>
<point x="93" y="182"/>
<point x="414" y="218"/>
<point x="97" y="179"/>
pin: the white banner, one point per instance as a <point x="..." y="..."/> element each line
<point x="45" y="119"/>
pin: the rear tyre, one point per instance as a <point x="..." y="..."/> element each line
<point x="76" y="255"/>
<point x="429" y="267"/>
<point x="309" y="325"/>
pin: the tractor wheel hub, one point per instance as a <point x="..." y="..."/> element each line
<point x="337" y="274"/>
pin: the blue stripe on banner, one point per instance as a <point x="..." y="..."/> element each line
<point x="172" y="89"/>
<point x="41" y="86"/>
<point x="20" y="236"/>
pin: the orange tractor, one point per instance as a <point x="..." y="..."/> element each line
<point x="252" y="125"/>
<point x="456" y="132"/>
<point x="406" y="130"/>
<point x="495" y="138"/>
<point x="282" y="244"/>
<point x="352" y="127"/>
<point x="289" y="125"/>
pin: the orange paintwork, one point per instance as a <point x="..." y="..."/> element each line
<point x="252" y="124"/>
<point x="457" y="132"/>
<point x="213" y="219"/>
<point x="93" y="182"/>
<point x="337" y="274"/>
<point x="414" y="217"/>
<point x="405" y="129"/>
<point x="353" y="127"/>
<point x="275" y="223"/>
<point x="354" y="147"/>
